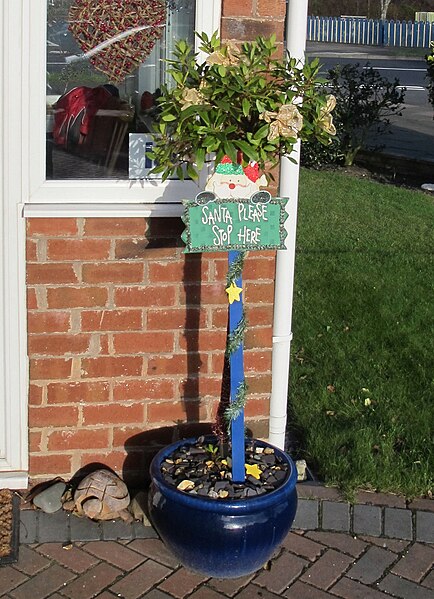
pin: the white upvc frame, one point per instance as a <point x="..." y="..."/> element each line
<point x="13" y="360"/>
<point x="40" y="193"/>
<point x="24" y="191"/>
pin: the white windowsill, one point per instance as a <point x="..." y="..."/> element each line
<point x="101" y="210"/>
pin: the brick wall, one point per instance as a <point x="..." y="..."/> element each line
<point x="127" y="333"/>
<point x="127" y="337"/>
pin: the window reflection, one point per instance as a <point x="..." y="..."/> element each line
<point x="105" y="67"/>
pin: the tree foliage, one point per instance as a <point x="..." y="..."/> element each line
<point x="430" y="74"/>
<point x="365" y="101"/>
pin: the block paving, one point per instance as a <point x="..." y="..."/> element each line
<point x="308" y="565"/>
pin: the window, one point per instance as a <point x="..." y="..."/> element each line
<point x="99" y="105"/>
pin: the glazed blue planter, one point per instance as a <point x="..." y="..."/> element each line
<point x="221" y="538"/>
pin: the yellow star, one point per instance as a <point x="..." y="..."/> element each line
<point x="234" y="293"/>
<point x="253" y="470"/>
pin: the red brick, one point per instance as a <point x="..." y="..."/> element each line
<point x="257" y="407"/>
<point x="111" y="227"/>
<point x="258" y="337"/>
<point x="78" y="439"/>
<point x="31" y="251"/>
<point x="284" y="570"/>
<point x="35" y="395"/>
<point x="176" y="318"/>
<point x="131" y="249"/>
<point x="32" y="301"/>
<point x="271" y="8"/>
<point x="259" y="293"/>
<point x="51" y="368"/>
<point x="217" y="362"/>
<point x="47" y="417"/>
<point x="237" y="8"/>
<point x="192" y="388"/>
<point x="177" y="364"/>
<point x="78" y="392"/>
<point x="118" y="272"/>
<point x="300" y="545"/>
<point x="48" y="322"/>
<point x="327" y="569"/>
<point x="259" y="315"/>
<point x="181" y="583"/>
<point x="141" y="389"/>
<point x="171" y="411"/>
<point x="207" y="293"/>
<point x="91" y="583"/>
<point x="257" y="361"/>
<point x="219" y="318"/>
<point x="111" y="320"/>
<point x="108" y="366"/>
<point x="58" y="344"/>
<point x="54" y="464"/>
<point x="116" y="460"/>
<point x="112" y="413"/>
<point x="77" y="297"/>
<point x="254" y="269"/>
<point x="259" y="383"/>
<point x="138" y="582"/>
<point x="145" y="296"/>
<point x="205" y="340"/>
<point x="414" y="564"/>
<point x="132" y="343"/>
<point x="52" y="227"/>
<point x="191" y="269"/>
<point x="35" y="441"/>
<point x="249" y="29"/>
<point x="115" y="554"/>
<point x="78" y="249"/>
<point x="104" y="345"/>
<point x="50" y="273"/>
<point x="75" y="558"/>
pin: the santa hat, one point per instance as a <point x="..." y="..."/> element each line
<point x="252" y="171"/>
<point x="227" y="167"/>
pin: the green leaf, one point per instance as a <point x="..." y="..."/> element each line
<point x="246" y="107"/>
<point x="168" y="118"/>
<point x="247" y="149"/>
<point x="262" y="132"/>
<point x="222" y="70"/>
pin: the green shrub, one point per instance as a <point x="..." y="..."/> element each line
<point x="430" y="74"/>
<point x="364" y="100"/>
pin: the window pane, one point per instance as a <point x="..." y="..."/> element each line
<point x="105" y="67"/>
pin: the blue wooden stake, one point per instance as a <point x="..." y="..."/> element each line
<point x="237" y="377"/>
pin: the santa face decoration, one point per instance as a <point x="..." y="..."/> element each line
<point x="232" y="181"/>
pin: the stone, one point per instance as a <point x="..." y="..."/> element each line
<point x="50" y="499"/>
<point x="301" y="470"/>
<point x="137" y="508"/>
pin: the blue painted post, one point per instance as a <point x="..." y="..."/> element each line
<point x="237" y="377"/>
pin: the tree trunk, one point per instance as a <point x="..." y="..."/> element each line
<point x="384" y="7"/>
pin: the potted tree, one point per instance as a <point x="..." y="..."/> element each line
<point x="223" y="505"/>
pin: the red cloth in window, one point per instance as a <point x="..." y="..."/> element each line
<point x="79" y="103"/>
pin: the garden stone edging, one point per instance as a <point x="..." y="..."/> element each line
<point x="319" y="508"/>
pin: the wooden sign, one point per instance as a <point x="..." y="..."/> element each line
<point x="234" y="224"/>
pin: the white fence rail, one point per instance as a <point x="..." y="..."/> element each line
<point x="353" y="30"/>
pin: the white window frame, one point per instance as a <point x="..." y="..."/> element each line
<point x="86" y="197"/>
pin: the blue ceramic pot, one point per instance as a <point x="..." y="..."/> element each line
<point x="221" y="538"/>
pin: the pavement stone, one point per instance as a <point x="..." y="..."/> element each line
<point x="83" y="529"/>
<point x="425" y="527"/>
<point x="394" y="585"/>
<point x="70" y="556"/>
<point x="367" y="520"/>
<point x="372" y="565"/>
<point x="352" y="589"/>
<point x="53" y="527"/>
<point x="301" y="590"/>
<point x="115" y="554"/>
<point x="30" y="562"/>
<point x="342" y="542"/>
<point x="415" y="563"/>
<point x="29" y="526"/>
<point x="398" y="523"/>
<point x="283" y="571"/>
<point x="306" y="517"/>
<point x="113" y="530"/>
<point x="134" y="584"/>
<point x="327" y="569"/>
<point x="43" y="584"/>
<point x="182" y="582"/>
<point x="301" y="545"/>
<point x="10" y="579"/>
<point x="91" y="582"/>
<point x="335" y="516"/>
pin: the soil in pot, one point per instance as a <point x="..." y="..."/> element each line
<point x="202" y="469"/>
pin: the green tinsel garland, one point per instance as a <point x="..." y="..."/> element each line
<point x="235" y="339"/>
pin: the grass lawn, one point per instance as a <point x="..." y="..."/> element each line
<point x="361" y="397"/>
